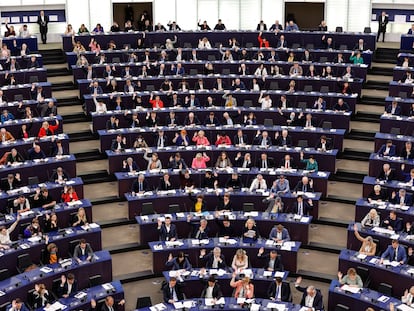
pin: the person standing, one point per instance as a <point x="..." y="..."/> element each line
<point x="43" y="21"/>
<point x="382" y="25"/>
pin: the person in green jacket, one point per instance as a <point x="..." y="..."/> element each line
<point x="311" y="164"/>
<point x="356" y="58"/>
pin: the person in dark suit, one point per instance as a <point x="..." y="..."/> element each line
<point x="211" y="289"/>
<point x="214" y="259"/>
<point x="324" y="144"/>
<point x="17" y="305"/>
<point x="284" y="140"/>
<point x="109" y="304"/>
<point x="261" y="26"/>
<point x="234" y="182"/>
<point x="273" y="261"/>
<point x="394" y="252"/>
<point x="211" y="120"/>
<point x="279" y="291"/>
<point x="387" y="149"/>
<point x="200" y="230"/>
<point x="129" y="165"/>
<point x="386" y="173"/>
<point x="83" y="251"/>
<point x="287" y="162"/>
<point x="165" y="183"/>
<point x="59" y="175"/>
<point x="382" y="25"/>
<point x="172" y="291"/>
<point x="180" y="262"/>
<point x="240" y="138"/>
<point x="401" y="198"/>
<point x="392" y="222"/>
<point x="140" y="184"/>
<point x="119" y="143"/>
<point x="407" y="153"/>
<point x="12" y="182"/>
<point x="327" y="43"/>
<point x="43" y="21"/>
<point x="68" y="286"/>
<point x="265" y="162"/>
<point x="311" y="297"/>
<point x="282" y="43"/>
<point x="302" y="207"/>
<point x="393" y="109"/>
<point x="304" y="185"/>
<point x="166" y="230"/>
<point x="262" y="139"/>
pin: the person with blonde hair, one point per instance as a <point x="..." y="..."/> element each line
<point x="80" y="218"/>
<point x="371" y="219"/>
<point x="244" y="288"/>
<point x="240" y="260"/>
<point x="368" y="246"/>
<point x="351" y="278"/>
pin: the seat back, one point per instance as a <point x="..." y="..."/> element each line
<point x="324" y="89"/>
<point x="310" y="46"/>
<point x="395" y="130"/>
<point x="211" y="58"/>
<point x="308" y="88"/>
<point x="326" y="125"/>
<point x="323" y="59"/>
<point x="174" y="208"/>
<point x="343" y="47"/>
<point x="364" y="274"/>
<point x="303" y="143"/>
<point x="274" y="85"/>
<point x="187" y="45"/>
<point x="150" y="88"/>
<point x="268" y="122"/>
<point x="23" y="262"/>
<point x="403" y="94"/>
<point x="339" y="29"/>
<point x="147" y="209"/>
<point x="295" y="46"/>
<point x="33" y="180"/>
<point x="116" y="60"/>
<point x="4" y="274"/>
<point x="367" y="30"/>
<point x="225" y="71"/>
<point x="302" y="105"/>
<point x="95" y="280"/>
<point x="247" y="103"/>
<point x="248" y="207"/>
<point x="249" y="45"/>
<point x="193" y="72"/>
<point x="341" y="307"/>
<point x="385" y="288"/>
<point x="72" y="245"/>
<point x="143" y="302"/>
<point x="33" y="79"/>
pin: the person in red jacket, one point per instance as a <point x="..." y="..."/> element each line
<point x="263" y="43"/>
<point x="47" y="129"/>
<point x="223" y="139"/>
<point x="157" y="102"/>
<point x="69" y="194"/>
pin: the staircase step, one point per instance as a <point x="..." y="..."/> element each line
<point x="115" y="222"/>
<point x="74" y="117"/>
<point x="316" y="276"/>
<point x="124" y="248"/>
<point x="348" y="176"/>
<point x="372" y="101"/>
<point x="81" y="136"/>
<point x="335" y="249"/>
<point x="69" y="101"/>
<point x="376" y="85"/>
<point x="91" y="177"/>
<point x="353" y="154"/>
<point x="339" y="199"/>
<point x="381" y="71"/>
<point x="331" y="222"/>
<point x="63" y="86"/>
<point x="367" y="116"/>
<point x="361" y="135"/>
<point x="136" y="276"/>
<point x="89" y="155"/>
<point x="109" y="199"/>
<point x="57" y="72"/>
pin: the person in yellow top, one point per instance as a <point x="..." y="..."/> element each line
<point x="200" y="204"/>
<point x="230" y="100"/>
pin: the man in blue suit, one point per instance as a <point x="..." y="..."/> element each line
<point x="167" y="230"/>
<point x="394" y="109"/>
<point x="401" y="198"/>
<point x="279" y="234"/>
<point x="395" y="252"/>
<point x="17" y="305"/>
<point x="388" y="149"/>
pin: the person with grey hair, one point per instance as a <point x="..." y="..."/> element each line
<point x="311" y="297"/>
<point x="371" y="219"/>
<point x="140" y="185"/>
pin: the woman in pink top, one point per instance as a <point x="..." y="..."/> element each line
<point x="200" y="160"/>
<point x="200" y="139"/>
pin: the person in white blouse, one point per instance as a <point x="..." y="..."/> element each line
<point x="100" y="107"/>
<point x="258" y="183"/>
<point x="408" y="297"/>
<point x="371" y="219"/>
<point x="265" y="101"/>
<point x="261" y="71"/>
<point x="204" y="43"/>
<point x="5" y="234"/>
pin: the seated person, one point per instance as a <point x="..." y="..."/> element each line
<point x="407" y="153"/>
<point x="226" y="229"/>
<point x="166" y="230"/>
<point x="223" y="161"/>
<point x="5" y="232"/>
<point x="250" y="231"/>
<point x="200" y="161"/>
<point x="272" y="259"/>
<point x="368" y="247"/>
<point x="393" y="109"/>
<point x="200" y="230"/>
<point x="284" y="140"/>
<point x="240" y="261"/>
<point x="377" y="194"/>
<point x="392" y="222"/>
<point x="51" y="255"/>
<point x="36" y="153"/>
<point x="212" y="289"/>
<point x="224" y="204"/>
<point x="129" y="165"/>
<point x="280" y="185"/>
<point x="279" y="234"/>
<point x="14" y="157"/>
<point x="311" y="298"/>
<point x="351" y="278"/>
<point x="310" y="164"/>
<point x="258" y="183"/>
<point x="41" y="296"/>
<point x="214" y="259"/>
<point x="275" y="204"/>
<point x="172" y="291"/>
<point x="234" y="182"/>
<point x="279" y="290"/>
<point x="341" y="106"/>
<point x="80" y="218"/>
<point x="154" y="163"/>
<point x="51" y="223"/>
<point x="68" y="286"/>
<point x="371" y="219"/>
<point x="388" y="149"/>
<point x="59" y="176"/>
<point x="83" y="251"/>
<point x="324" y="144"/>
<point x="209" y="180"/>
<point x="302" y="207"/>
<point x="287" y="162"/>
<point x="43" y="199"/>
<point x="33" y="229"/>
<point x="186" y="180"/>
<point x="244" y="288"/>
<point x="401" y="198"/>
<point x="180" y="262"/>
<point x="304" y="185"/>
<point x="140" y="185"/>
<point x="12" y="182"/>
<point x="386" y="174"/>
<point x="119" y="143"/>
<point x="408" y="297"/>
<point x="21" y="204"/>
<point x="262" y="139"/>
<point x="165" y="183"/>
<point x="265" y="162"/>
<point x="243" y="162"/>
<point x="394" y="252"/>
<point x="69" y="194"/>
